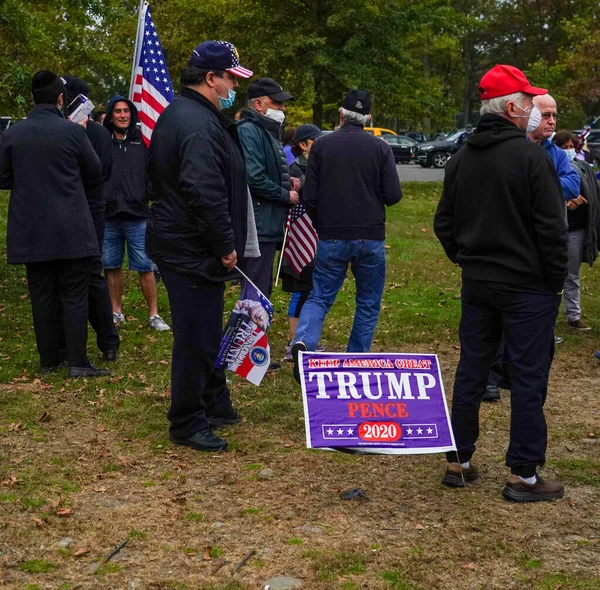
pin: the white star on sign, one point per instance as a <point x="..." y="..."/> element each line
<point x="350" y="430"/>
<point x="419" y="431"/>
<point x="340" y="431"/>
<point x="430" y="431"/>
<point x="409" y="431"/>
<point x="329" y="431"/>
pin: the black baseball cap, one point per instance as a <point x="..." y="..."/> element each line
<point x="75" y="86"/>
<point x="358" y="101"/>
<point x="268" y="87"/>
<point x="306" y="132"/>
<point x="218" y="55"/>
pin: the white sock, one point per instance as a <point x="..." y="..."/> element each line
<point x="466" y="465"/>
<point x="530" y="480"/>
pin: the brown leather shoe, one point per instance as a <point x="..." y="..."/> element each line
<point x="454" y="479"/>
<point x="540" y="491"/>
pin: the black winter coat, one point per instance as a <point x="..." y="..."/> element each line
<point x="127" y="189"/>
<point x="56" y="182"/>
<point x="199" y="189"/>
<point x="502" y="213"/>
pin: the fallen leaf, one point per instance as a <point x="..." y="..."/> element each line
<point x="175" y="515"/>
<point x="100" y="429"/>
<point x="11" y="481"/>
<point x="39" y="522"/>
<point x="163" y="362"/>
<point x="64" y="512"/>
<point x="99" y="490"/>
<point x="287" y="445"/>
<point x="125" y="461"/>
<point x="206" y="553"/>
<point x="469" y="566"/>
<point x="388" y="247"/>
<point x="16" y="426"/>
<point x="80" y="552"/>
<point x="44" y="417"/>
<point x="425" y="229"/>
<point x="419" y="526"/>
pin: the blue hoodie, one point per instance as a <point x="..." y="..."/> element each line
<point x="569" y="179"/>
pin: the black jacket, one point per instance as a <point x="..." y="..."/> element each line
<point x="127" y="189"/>
<point x="502" y="213"/>
<point x="56" y="182"/>
<point x="350" y="178"/>
<point x="199" y="189"/>
<point x="590" y="212"/>
<point x="267" y="173"/>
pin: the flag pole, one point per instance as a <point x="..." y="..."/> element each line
<point x="287" y="227"/>
<point x="138" y="44"/>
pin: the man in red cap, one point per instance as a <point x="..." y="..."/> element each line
<point x="502" y="219"/>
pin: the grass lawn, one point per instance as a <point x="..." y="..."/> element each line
<point x="86" y="464"/>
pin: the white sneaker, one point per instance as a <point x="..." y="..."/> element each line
<point x="158" y="323"/>
<point x="118" y="318"/>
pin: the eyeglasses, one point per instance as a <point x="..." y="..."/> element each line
<point x="548" y="115"/>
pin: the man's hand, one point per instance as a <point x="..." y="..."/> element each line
<point x="293" y="198"/>
<point x="83" y="123"/>
<point x="574" y="203"/>
<point x="295" y="183"/>
<point x="229" y="261"/>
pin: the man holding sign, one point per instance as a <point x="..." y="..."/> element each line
<point x="196" y="228"/>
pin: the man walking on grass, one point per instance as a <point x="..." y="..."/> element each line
<point x="501" y="217"/>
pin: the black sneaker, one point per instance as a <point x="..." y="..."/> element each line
<point x="231" y="417"/>
<point x="110" y="355"/>
<point x="274" y="366"/>
<point x="492" y="394"/>
<point x="296" y="348"/>
<point x="205" y="440"/>
<point x="90" y="371"/>
<point x="454" y="479"/>
<point x="516" y="490"/>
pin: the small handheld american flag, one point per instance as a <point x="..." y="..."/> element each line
<point x="151" y="89"/>
<point x="301" y="245"/>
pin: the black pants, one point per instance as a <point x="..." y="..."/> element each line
<point x="59" y="292"/>
<point x="100" y="313"/>
<point x="499" y="372"/>
<point x="260" y="270"/>
<point x="197" y="388"/>
<point x="526" y="318"/>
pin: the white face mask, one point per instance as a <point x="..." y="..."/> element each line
<point x="535" y="117"/>
<point x="570" y="153"/>
<point x="274" y="114"/>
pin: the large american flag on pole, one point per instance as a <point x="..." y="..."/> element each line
<point x="302" y="240"/>
<point x="151" y="89"/>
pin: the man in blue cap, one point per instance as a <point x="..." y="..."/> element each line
<point x="197" y="227"/>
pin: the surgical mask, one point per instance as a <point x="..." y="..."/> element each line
<point x="570" y="153"/>
<point x="535" y="117"/>
<point x="274" y="114"/>
<point x="225" y="103"/>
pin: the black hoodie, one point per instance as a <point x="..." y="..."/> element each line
<point x="126" y="192"/>
<point x="502" y="214"/>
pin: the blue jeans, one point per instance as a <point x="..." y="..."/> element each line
<point x="367" y="261"/>
<point x="117" y="232"/>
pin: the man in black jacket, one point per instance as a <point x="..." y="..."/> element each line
<point x="196" y="229"/>
<point x="56" y="201"/>
<point x="350" y="178"/>
<point x="100" y="307"/>
<point x="127" y="211"/>
<point x="512" y="278"/>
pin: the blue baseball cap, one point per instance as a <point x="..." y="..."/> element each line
<point x="218" y="55"/>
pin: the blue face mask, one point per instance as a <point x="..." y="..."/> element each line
<point x="225" y="103"/>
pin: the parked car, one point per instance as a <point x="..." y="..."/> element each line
<point x="404" y="148"/>
<point x="436" y="153"/>
<point x="418" y="136"/>
<point x="379" y="131"/>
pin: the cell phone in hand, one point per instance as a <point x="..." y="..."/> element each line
<point x="80" y="108"/>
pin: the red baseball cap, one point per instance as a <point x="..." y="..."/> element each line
<point x="502" y="80"/>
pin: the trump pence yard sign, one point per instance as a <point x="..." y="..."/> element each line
<point x="375" y="402"/>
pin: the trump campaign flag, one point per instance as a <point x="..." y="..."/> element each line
<point x="301" y="245"/>
<point x="244" y="346"/>
<point x="151" y="90"/>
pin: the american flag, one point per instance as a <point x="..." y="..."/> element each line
<point x="151" y="91"/>
<point x="302" y="239"/>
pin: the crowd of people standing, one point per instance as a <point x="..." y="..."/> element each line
<point x="221" y="192"/>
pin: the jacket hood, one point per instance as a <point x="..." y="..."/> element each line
<point x="493" y="129"/>
<point x="109" y="109"/>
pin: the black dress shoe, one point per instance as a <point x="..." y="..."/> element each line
<point x="90" y="371"/>
<point x="492" y="394"/>
<point x="110" y="356"/>
<point x="205" y="440"/>
<point x="54" y="368"/>
<point x="231" y="417"/>
<point x="296" y="348"/>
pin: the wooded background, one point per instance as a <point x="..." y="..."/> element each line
<point x="421" y="60"/>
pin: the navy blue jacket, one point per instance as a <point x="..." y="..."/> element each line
<point x="56" y="182"/>
<point x="350" y="178"/>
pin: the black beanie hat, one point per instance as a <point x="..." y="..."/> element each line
<point x="43" y="79"/>
<point x="74" y="87"/>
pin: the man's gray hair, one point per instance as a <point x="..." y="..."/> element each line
<point x="354" y="117"/>
<point x="251" y="101"/>
<point x="497" y="105"/>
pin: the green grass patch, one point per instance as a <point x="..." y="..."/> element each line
<point x="216" y="552"/>
<point x="395" y="580"/>
<point x="133" y="534"/>
<point x="37" y="566"/>
<point x="578" y="470"/>
<point x="29" y="503"/>
<point x="194" y="517"/>
<point x="564" y="582"/>
<point x="330" y="566"/>
<point x="252" y="466"/>
<point x="251" y="511"/>
<point x="109" y="568"/>
<point x="295" y="541"/>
